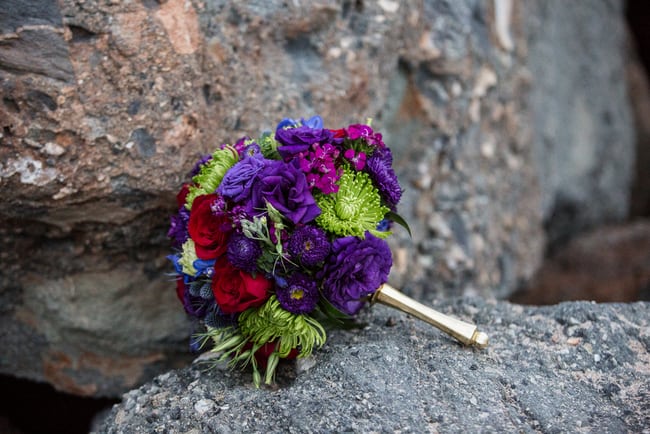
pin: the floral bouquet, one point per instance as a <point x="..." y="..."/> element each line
<point x="278" y="236"/>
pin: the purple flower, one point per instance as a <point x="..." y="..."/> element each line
<point x="285" y="187"/>
<point x="297" y="140"/>
<point x="355" y="269"/>
<point x="252" y="150"/>
<point x="300" y="295"/>
<point x="242" y="252"/>
<point x="312" y="122"/>
<point x="309" y="245"/>
<point x="178" y="227"/>
<point x="237" y="214"/>
<point x="380" y="169"/>
<point x="238" y="180"/>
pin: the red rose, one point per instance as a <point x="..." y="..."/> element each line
<point x="182" y="194"/>
<point x="209" y="232"/>
<point x="235" y="290"/>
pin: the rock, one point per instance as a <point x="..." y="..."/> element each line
<point x="608" y="264"/>
<point x="571" y="367"/>
<point x="580" y="114"/>
<point x="106" y="106"/>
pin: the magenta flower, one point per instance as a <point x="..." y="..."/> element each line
<point x="359" y="131"/>
<point x="358" y="159"/>
<point x="319" y="165"/>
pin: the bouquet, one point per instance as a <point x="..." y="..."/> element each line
<point x="279" y="235"/>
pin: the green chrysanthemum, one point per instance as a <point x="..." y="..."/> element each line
<point x="211" y="174"/>
<point x="354" y="209"/>
<point x="268" y="323"/>
<point x="188" y="256"/>
<point x="271" y="323"/>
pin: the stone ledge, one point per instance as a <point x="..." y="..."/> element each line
<point x="575" y="366"/>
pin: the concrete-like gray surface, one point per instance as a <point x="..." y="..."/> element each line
<point x="573" y="367"/>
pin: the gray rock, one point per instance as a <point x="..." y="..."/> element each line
<point x="572" y="367"/>
<point x="580" y="114"/>
<point x="106" y="106"/>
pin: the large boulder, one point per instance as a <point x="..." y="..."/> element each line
<point x="576" y="366"/>
<point x="106" y="105"/>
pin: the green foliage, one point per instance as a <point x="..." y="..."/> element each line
<point x="269" y="147"/>
<point x="211" y="174"/>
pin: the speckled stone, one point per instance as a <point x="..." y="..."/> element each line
<point x="572" y="367"/>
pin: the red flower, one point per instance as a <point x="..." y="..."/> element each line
<point x="235" y="290"/>
<point x="339" y="134"/>
<point x="209" y="232"/>
<point x="182" y="194"/>
<point x="262" y="355"/>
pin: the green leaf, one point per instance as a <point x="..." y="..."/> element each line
<point x="326" y="313"/>
<point x="393" y="216"/>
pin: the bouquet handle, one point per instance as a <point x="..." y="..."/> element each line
<point x="466" y="333"/>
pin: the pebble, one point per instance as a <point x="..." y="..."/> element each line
<point x="204" y="406"/>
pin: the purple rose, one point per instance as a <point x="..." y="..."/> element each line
<point x="237" y="181"/>
<point x="354" y="270"/>
<point x="297" y="140"/>
<point x="285" y="187"/>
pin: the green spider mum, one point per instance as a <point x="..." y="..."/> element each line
<point x="211" y="174"/>
<point x="270" y="322"/>
<point x="354" y="209"/>
<point x="266" y="324"/>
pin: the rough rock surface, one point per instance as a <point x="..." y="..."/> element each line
<point x="609" y="264"/>
<point x="584" y="135"/>
<point x="106" y="105"/>
<point x="574" y="367"/>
